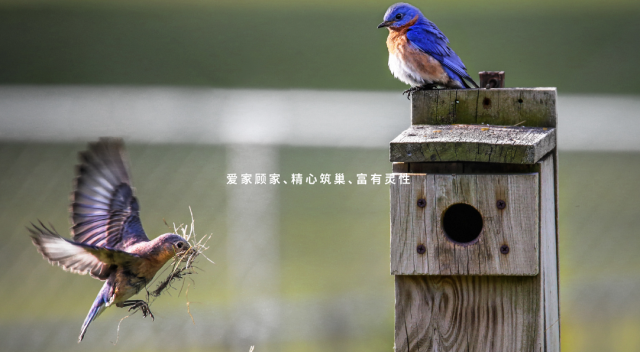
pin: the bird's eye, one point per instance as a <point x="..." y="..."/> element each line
<point x="179" y="245"/>
<point x="398" y="16"/>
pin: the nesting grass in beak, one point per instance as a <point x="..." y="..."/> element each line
<point x="182" y="264"/>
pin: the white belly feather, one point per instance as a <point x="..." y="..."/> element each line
<point x="404" y="72"/>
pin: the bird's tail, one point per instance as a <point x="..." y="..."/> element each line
<point x="466" y="79"/>
<point x="99" y="305"/>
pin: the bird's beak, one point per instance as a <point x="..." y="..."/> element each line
<point x="385" y="24"/>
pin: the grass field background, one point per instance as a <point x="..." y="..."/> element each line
<point x="334" y="250"/>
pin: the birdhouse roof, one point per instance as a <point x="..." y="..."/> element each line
<point x="473" y="143"/>
<point x="505" y="125"/>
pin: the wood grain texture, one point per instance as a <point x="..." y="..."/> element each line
<point x="466" y="168"/>
<point x="409" y="226"/>
<point x="470" y="297"/>
<point x="533" y="107"/>
<point x="557" y="196"/>
<point x="548" y="254"/>
<point x="472" y="143"/>
<point x="400" y="168"/>
<point x="516" y="226"/>
<point x="467" y="313"/>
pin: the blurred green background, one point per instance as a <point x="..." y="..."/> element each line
<point x="333" y="253"/>
<point x="577" y="46"/>
<point x="333" y="290"/>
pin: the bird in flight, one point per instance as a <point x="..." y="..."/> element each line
<point x="419" y="54"/>
<point x="108" y="241"/>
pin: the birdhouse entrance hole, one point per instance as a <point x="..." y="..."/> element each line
<point x="462" y="223"/>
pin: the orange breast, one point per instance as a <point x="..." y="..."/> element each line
<point x="397" y="39"/>
<point x="426" y="66"/>
<point x="150" y="266"/>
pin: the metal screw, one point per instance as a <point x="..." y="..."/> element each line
<point x="504" y="249"/>
<point x="421" y="249"/>
<point x="422" y="203"/>
<point x="501" y="204"/>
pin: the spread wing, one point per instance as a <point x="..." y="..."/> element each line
<point x="78" y="257"/>
<point x="428" y="38"/>
<point x="104" y="212"/>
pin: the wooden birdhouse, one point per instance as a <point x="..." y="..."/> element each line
<point x="474" y="222"/>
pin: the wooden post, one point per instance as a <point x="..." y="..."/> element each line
<point x="474" y="233"/>
<point x="491" y="79"/>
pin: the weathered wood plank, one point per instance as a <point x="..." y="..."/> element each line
<point x="472" y="143"/>
<point x="515" y="226"/>
<point x="533" y="107"/>
<point x="467" y="313"/>
<point x="400" y="168"/>
<point x="455" y="259"/>
<point x="436" y="168"/>
<point x="465" y="168"/>
<point x="464" y="147"/>
<point x="557" y="196"/>
<point x="408" y="219"/>
<point x="548" y="254"/>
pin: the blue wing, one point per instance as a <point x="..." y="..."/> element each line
<point x="104" y="210"/>
<point x="428" y="38"/>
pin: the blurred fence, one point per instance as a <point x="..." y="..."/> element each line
<point x="169" y="115"/>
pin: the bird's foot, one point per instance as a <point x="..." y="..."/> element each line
<point x="141" y="305"/>
<point x="412" y="90"/>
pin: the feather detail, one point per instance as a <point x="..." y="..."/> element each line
<point x="104" y="211"/>
<point x="79" y="258"/>
<point x="428" y="38"/>
<point x="102" y="301"/>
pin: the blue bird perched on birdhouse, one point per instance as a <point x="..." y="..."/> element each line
<point x="419" y="54"/>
